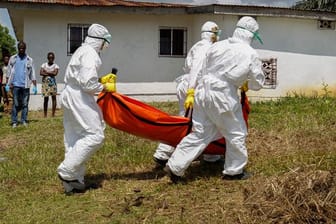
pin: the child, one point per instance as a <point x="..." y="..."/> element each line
<point x="49" y="87"/>
<point x="3" y="80"/>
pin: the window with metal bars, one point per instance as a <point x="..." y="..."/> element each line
<point x="172" y="42"/>
<point x="76" y="36"/>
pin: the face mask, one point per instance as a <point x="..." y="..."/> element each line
<point x="256" y="35"/>
<point x="104" y="46"/>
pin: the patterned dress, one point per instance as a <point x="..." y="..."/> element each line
<point x="49" y="86"/>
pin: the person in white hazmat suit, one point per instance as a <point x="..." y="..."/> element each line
<point x="229" y="64"/>
<point x="82" y="119"/>
<point x="193" y="65"/>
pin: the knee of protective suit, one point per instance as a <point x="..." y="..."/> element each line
<point x="100" y="138"/>
<point x="238" y="141"/>
<point x="97" y="139"/>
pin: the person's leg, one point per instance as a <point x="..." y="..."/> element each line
<point x="234" y="130"/>
<point x="164" y="151"/>
<point x="15" y="106"/>
<point x="80" y="144"/>
<point x="191" y="146"/>
<point x="53" y="105"/>
<point x="25" y="102"/>
<point x="162" y="154"/>
<point x="45" y="105"/>
<point x="4" y="95"/>
<point x="211" y="158"/>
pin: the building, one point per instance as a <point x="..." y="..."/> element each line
<point x="150" y="40"/>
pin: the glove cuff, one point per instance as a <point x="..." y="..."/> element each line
<point x="190" y="92"/>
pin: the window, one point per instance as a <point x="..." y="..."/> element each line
<point x="76" y="36"/>
<point x="269" y="67"/>
<point x="173" y="42"/>
<point x="325" y="25"/>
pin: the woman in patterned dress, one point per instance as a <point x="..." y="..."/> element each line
<point x="49" y="87"/>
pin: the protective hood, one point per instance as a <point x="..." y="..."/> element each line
<point x="247" y="30"/>
<point x="97" y="35"/>
<point x="210" y="31"/>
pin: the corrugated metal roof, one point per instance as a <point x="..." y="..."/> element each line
<point x="99" y="3"/>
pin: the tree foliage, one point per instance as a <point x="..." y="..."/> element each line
<point x="323" y="5"/>
<point x="7" y="42"/>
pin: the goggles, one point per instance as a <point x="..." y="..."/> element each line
<point x="256" y="35"/>
<point x="106" y="37"/>
<point x="217" y="32"/>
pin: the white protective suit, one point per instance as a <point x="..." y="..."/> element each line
<point x="217" y="110"/>
<point x="83" y="121"/>
<point x="192" y="68"/>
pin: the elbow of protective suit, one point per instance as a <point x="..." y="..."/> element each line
<point x="257" y="83"/>
<point x="189" y="102"/>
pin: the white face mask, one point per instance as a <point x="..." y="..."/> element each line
<point x="104" y="46"/>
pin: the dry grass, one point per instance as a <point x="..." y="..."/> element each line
<point x="292" y="155"/>
<point x="299" y="196"/>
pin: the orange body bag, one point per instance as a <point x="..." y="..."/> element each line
<point x="140" y="119"/>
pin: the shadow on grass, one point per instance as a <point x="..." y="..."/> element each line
<point x="197" y="170"/>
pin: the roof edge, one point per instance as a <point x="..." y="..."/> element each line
<point x="260" y="11"/>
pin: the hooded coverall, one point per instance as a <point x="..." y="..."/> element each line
<point x="217" y="109"/>
<point x="192" y="68"/>
<point x="82" y="119"/>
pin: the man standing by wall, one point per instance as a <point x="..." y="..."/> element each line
<point x="21" y="74"/>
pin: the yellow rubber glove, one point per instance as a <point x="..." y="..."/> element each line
<point x="111" y="78"/>
<point x="244" y="87"/>
<point x="189" y="102"/>
<point x="109" y="87"/>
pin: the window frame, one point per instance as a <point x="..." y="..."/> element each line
<point x="69" y="39"/>
<point x="323" y="24"/>
<point x="185" y="40"/>
<point x="269" y="68"/>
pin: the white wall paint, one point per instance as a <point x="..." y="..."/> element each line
<point x="306" y="55"/>
<point x="134" y="48"/>
<point x="300" y="74"/>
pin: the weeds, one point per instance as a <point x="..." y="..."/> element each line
<point x="291" y="143"/>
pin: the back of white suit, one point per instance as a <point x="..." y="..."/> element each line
<point x="82" y="119"/>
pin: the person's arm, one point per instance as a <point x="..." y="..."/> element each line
<point x="33" y="77"/>
<point x="256" y="77"/>
<point x="54" y="72"/>
<point x="43" y="72"/>
<point x="196" y="62"/>
<point x="88" y="75"/>
<point x="198" y="56"/>
<point x="1" y="75"/>
<point x="89" y="81"/>
<point x="10" y="72"/>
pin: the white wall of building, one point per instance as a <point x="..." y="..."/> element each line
<point x="306" y="55"/>
<point x="300" y="74"/>
<point x="134" y="47"/>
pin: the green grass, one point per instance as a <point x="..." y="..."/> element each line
<point x="294" y="132"/>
